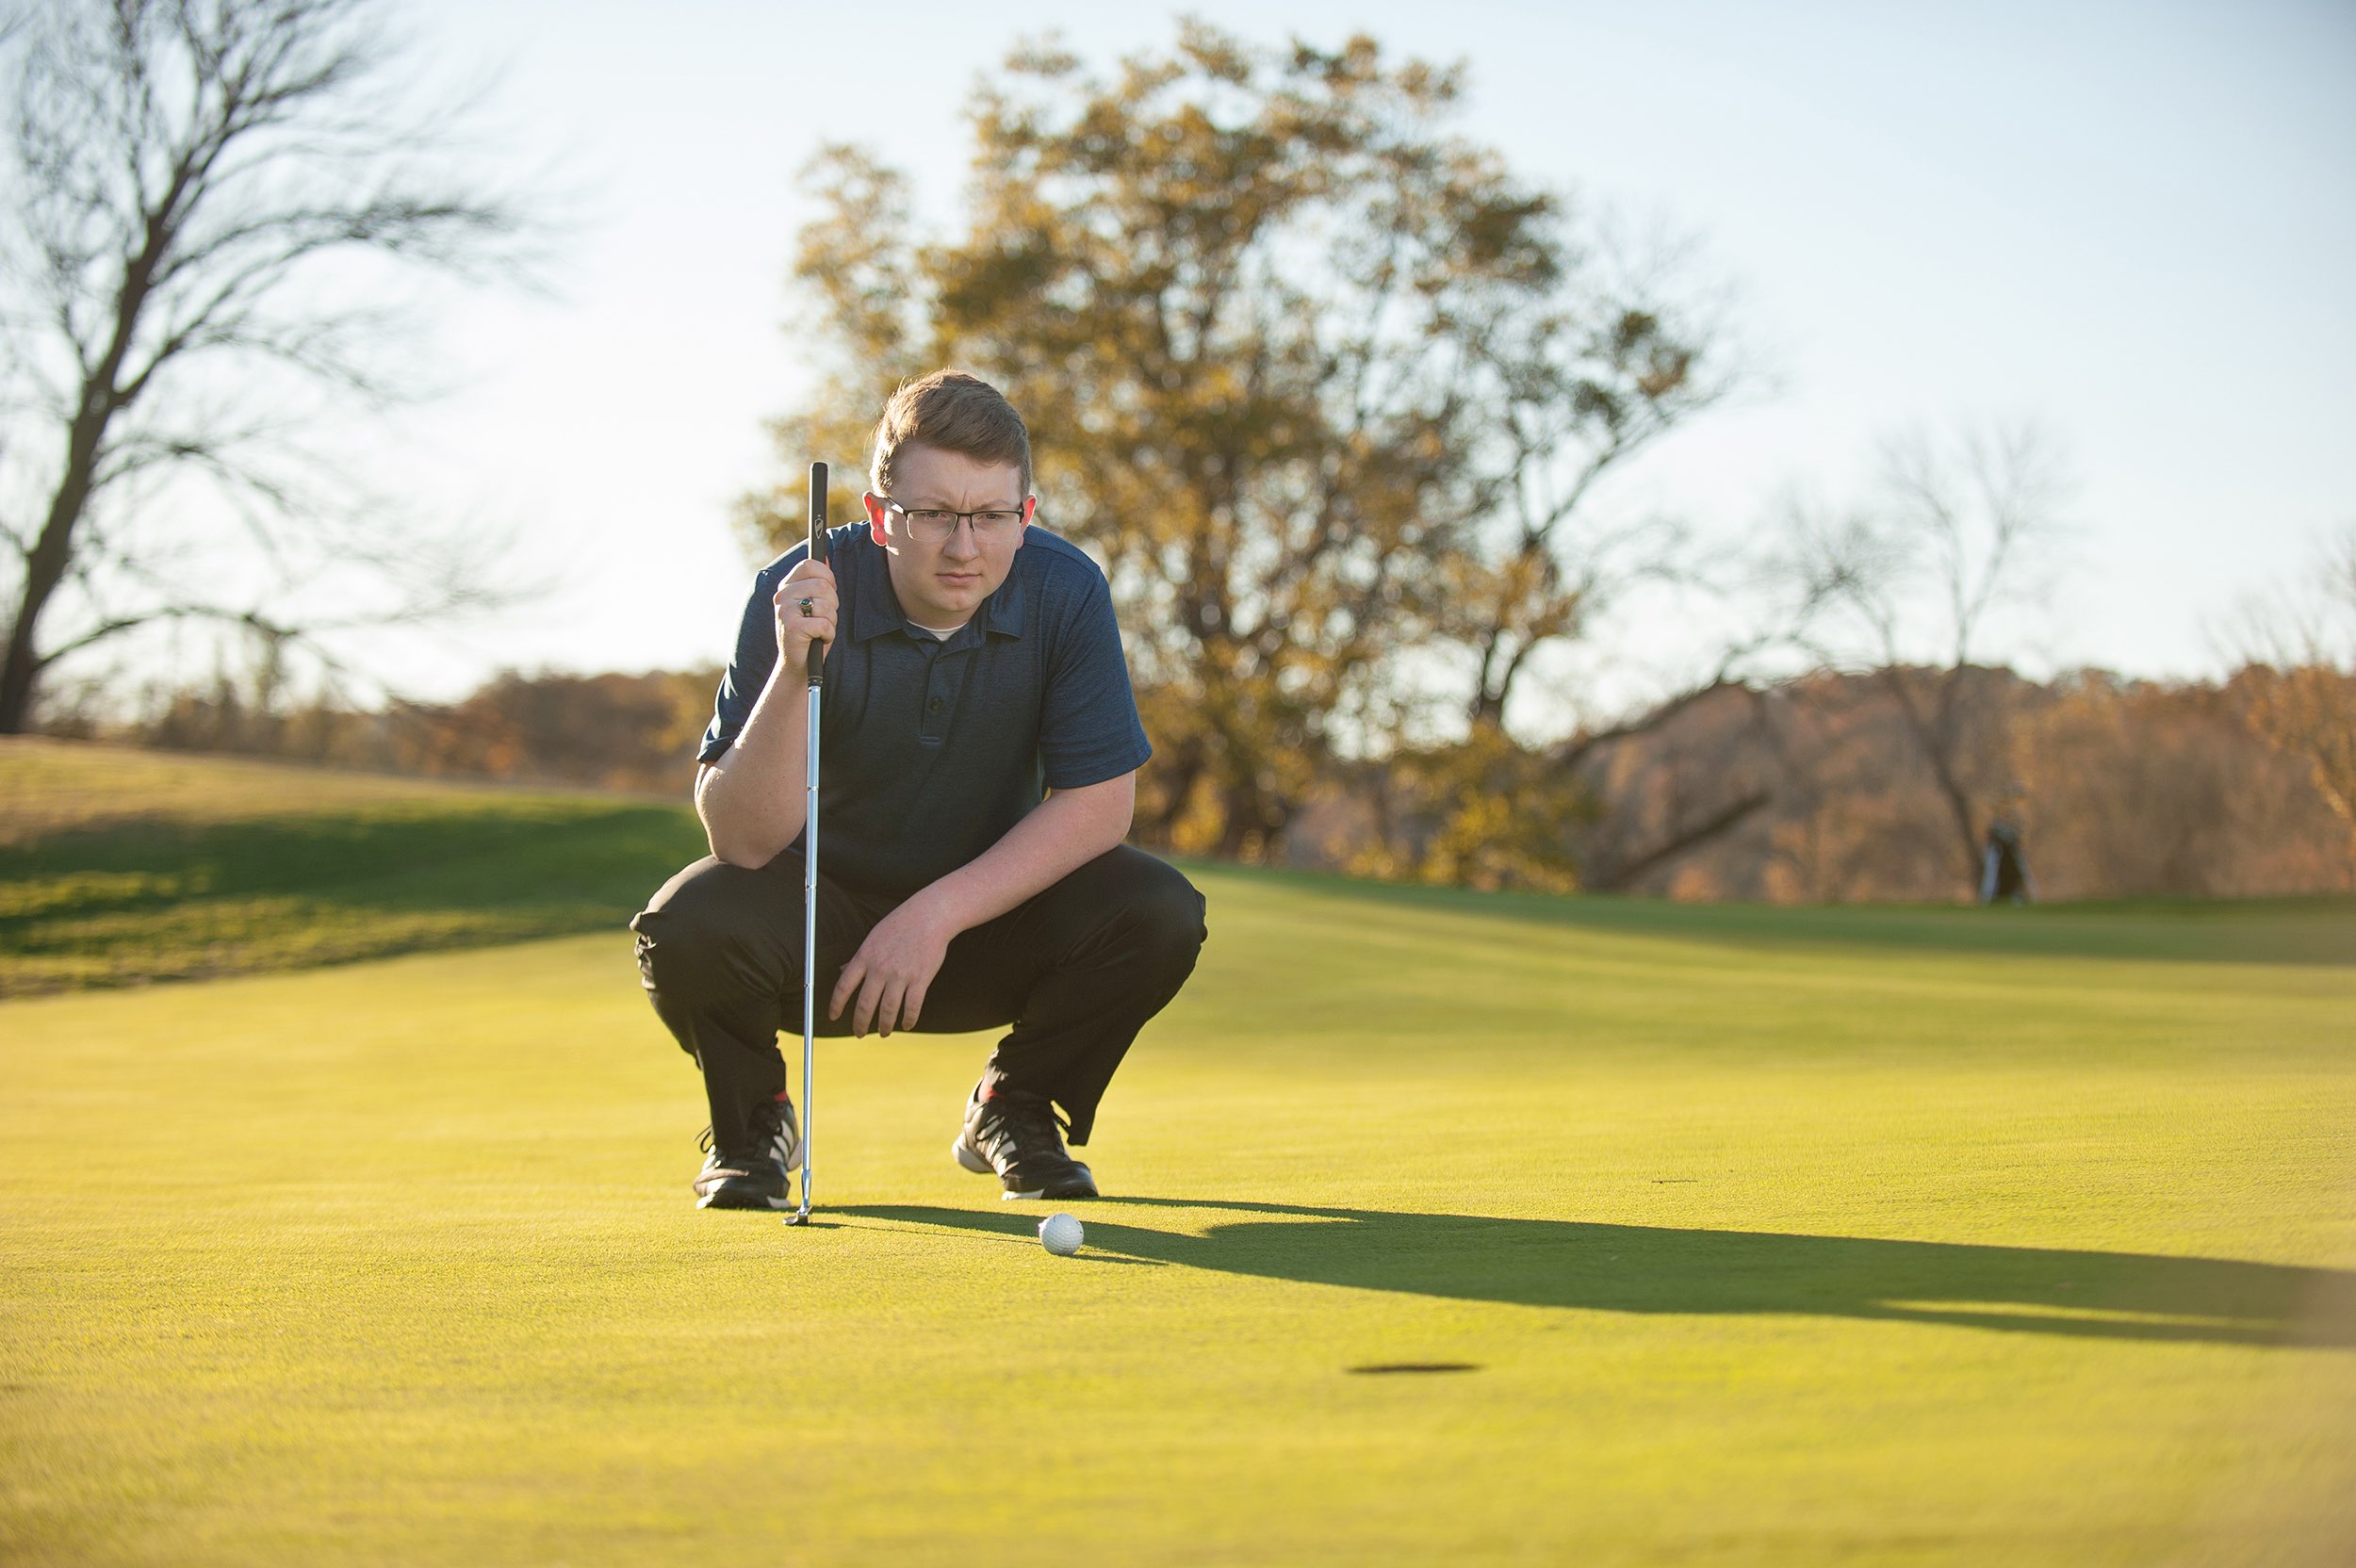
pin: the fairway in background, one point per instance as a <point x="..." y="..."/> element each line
<point x="1757" y="1245"/>
<point x="121" y="866"/>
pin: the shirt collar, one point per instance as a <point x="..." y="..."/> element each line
<point x="1007" y="609"/>
<point x="879" y="606"/>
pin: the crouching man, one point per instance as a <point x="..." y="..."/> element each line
<point x="980" y="748"/>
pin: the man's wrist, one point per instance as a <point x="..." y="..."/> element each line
<point x="939" y="908"/>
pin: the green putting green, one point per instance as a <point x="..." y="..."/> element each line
<point x="1938" y="1236"/>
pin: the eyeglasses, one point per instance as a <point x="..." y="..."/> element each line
<point x="936" y="526"/>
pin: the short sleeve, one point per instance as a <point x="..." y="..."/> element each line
<point x="1089" y="727"/>
<point x="748" y="671"/>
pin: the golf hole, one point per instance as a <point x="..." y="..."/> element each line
<point x="1419" y="1366"/>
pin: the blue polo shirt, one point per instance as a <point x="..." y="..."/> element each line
<point x="930" y="750"/>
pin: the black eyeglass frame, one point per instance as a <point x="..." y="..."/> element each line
<point x="969" y="520"/>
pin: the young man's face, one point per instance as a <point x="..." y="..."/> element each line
<point x="942" y="585"/>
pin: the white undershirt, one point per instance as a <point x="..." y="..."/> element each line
<point x="938" y="632"/>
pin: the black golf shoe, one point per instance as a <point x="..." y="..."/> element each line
<point x="1016" y="1138"/>
<point x="758" y="1176"/>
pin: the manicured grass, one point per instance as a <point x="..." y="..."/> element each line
<point x="120" y="867"/>
<point x="1765" y="1237"/>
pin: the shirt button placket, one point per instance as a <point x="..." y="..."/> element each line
<point x="936" y="706"/>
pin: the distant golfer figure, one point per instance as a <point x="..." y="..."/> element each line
<point x="980" y="746"/>
<point x="2004" y="868"/>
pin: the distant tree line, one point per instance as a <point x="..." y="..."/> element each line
<point x="1813" y="789"/>
<point x="628" y="733"/>
<point x="1816" y="790"/>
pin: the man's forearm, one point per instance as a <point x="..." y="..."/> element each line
<point x="1068" y="830"/>
<point x="751" y="800"/>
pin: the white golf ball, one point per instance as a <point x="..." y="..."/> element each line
<point x="1060" y="1235"/>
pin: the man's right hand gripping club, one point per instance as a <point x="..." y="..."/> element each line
<point x="747" y="823"/>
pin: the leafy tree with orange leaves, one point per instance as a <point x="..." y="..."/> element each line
<point x="1321" y="384"/>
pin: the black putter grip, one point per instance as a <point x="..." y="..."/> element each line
<point x="817" y="553"/>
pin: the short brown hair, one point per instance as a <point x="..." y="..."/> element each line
<point x="955" y="412"/>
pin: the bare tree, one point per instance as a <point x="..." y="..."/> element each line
<point x="2308" y="620"/>
<point x="1909" y="586"/>
<point x="2298" y="682"/>
<point x="1574" y="393"/>
<point x="192" y="183"/>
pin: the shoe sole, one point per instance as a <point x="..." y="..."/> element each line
<point x="734" y="1201"/>
<point x="1080" y="1196"/>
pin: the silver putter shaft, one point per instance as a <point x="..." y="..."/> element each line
<point x="810" y="860"/>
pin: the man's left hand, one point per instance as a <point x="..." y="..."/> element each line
<point x="892" y="969"/>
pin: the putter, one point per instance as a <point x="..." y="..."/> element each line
<point x="810" y="860"/>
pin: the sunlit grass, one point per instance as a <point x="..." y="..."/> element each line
<point x="1763" y="1240"/>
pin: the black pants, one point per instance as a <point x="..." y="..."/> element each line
<point x="1076" y="969"/>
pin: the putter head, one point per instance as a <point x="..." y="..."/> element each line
<point x="799" y="1217"/>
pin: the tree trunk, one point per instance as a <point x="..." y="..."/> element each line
<point x="1938" y="750"/>
<point x="103" y="398"/>
<point x="45" y="565"/>
<point x="1177" y="791"/>
<point x="1254" y="822"/>
<point x="1487" y="707"/>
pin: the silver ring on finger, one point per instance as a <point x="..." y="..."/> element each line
<point x="806" y="606"/>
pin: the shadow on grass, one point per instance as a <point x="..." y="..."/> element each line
<point x="1636" y="1268"/>
<point x="2319" y="930"/>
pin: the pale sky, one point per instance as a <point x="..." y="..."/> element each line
<point x="2135" y="222"/>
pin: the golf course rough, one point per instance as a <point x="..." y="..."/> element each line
<point x="122" y="867"/>
<point x="1756" y="1237"/>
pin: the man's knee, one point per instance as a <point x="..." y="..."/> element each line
<point x="1164" y="909"/>
<point x="702" y="933"/>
